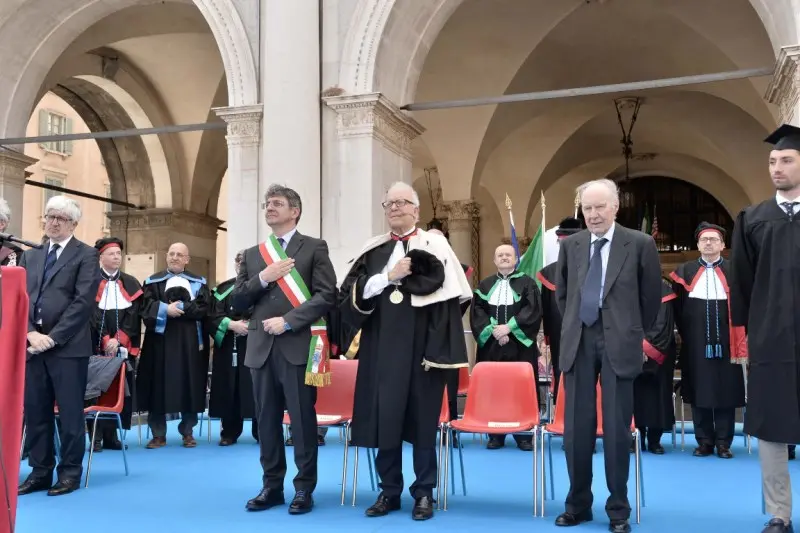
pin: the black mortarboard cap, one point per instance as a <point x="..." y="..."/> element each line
<point x="706" y="226"/>
<point x="106" y="241"/>
<point x="787" y="137"/>
<point x="568" y="226"/>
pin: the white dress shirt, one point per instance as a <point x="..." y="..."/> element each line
<point x="377" y="283"/>
<point x="781" y="199"/>
<point x="286" y="238"/>
<point x="604" y="254"/>
<point x="62" y="245"/>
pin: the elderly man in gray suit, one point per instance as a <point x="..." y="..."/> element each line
<point x="289" y="283"/>
<point x="608" y="289"/>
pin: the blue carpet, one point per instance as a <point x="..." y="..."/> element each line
<point x="205" y="489"/>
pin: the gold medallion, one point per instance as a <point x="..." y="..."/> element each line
<point x="396" y="297"/>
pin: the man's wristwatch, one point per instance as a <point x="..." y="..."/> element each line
<point x="286" y="326"/>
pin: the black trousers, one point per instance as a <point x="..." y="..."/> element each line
<point x="51" y="381"/>
<point x="580" y="419"/>
<point x="714" y="427"/>
<point x="389" y="464"/>
<point x="275" y="385"/>
<point x="232" y="427"/>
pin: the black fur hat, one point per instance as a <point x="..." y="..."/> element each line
<point x="427" y="273"/>
<point x="177" y="294"/>
<point x="568" y="226"/>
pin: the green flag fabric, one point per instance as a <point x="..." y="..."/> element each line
<point x="532" y="260"/>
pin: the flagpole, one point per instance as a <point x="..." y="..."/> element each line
<point x="544" y="229"/>
<point x="577" y="204"/>
<point x="510" y="213"/>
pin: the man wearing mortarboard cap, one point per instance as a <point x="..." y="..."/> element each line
<point x="116" y="328"/>
<point x="764" y="299"/>
<point x="712" y="380"/>
<point x="551" y="316"/>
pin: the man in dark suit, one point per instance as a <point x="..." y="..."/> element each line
<point x="62" y="284"/>
<point x="608" y="288"/>
<point x="288" y="284"/>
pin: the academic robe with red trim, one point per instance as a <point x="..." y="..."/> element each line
<point x="125" y="325"/>
<point x="707" y="382"/>
<point x="765" y="289"/>
<point x="652" y="389"/>
<point x="551" y="318"/>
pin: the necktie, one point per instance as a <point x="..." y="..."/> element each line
<point x="282" y="242"/>
<point x="590" y="292"/>
<point x="52" y="256"/>
<point x="789" y="208"/>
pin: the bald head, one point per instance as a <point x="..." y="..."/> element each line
<point x="505" y="259"/>
<point x="177" y="257"/>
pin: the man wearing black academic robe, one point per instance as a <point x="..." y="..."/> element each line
<point x="653" y="409"/>
<point x="510" y="300"/>
<point x="551" y="315"/>
<point x="404" y="293"/>
<point x="710" y="382"/>
<point x="173" y="371"/>
<point x="232" y="398"/>
<point x="116" y="330"/>
<point x="765" y="294"/>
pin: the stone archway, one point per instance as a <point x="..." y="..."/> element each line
<point x="388" y="41"/>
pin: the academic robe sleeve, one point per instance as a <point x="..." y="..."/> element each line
<point x="353" y="308"/>
<point x="130" y="329"/>
<point x="217" y="321"/>
<point x="743" y="260"/>
<point x="153" y="311"/>
<point x="562" y="271"/>
<point x="649" y="283"/>
<point x="480" y="321"/>
<point x="525" y="324"/>
<point x="248" y="289"/>
<point x="198" y="308"/>
<point x="659" y="339"/>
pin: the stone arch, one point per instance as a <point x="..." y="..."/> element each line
<point x="388" y="41"/>
<point x="36" y="42"/>
<point x="211" y="163"/>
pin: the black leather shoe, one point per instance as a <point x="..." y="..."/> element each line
<point x="724" y="452"/>
<point x="704" y="450"/>
<point x="302" y="503"/>
<point x="525" y="445"/>
<point x="619" y="526"/>
<point x="792" y="453"/>
<point x="656" y="449"/>
<point x="320" y="440"/>
<point x="64" y="486"/>
<point x="423" y="508"/>
<point x="290" y="441"/>
<point x="495" y="443"/>
<point x="34" y="485"/>
<point x="776" y="525"/>
<point x="569" y="519"/>
<point x="383" y="505"/>
<point x="115" y="445"/>
<point x="266" y="499"/>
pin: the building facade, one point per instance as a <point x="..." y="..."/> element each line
<point x="312" y="93"/>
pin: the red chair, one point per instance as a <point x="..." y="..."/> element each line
<point x="556" y="428"/>
<point x="463" y="381"/>
<point x="335" y="406"/>
<point x="502" y="399"/>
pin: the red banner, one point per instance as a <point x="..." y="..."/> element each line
<point x="13" y="333"/>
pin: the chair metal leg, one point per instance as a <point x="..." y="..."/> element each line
<point x="541" y="466"/>
<point x="683" y="425"/>
<point x="448" y="443"/>
<point x="344" y="460"/>
<point x="535" y="471"/>
<point x="124" y="452"/>
<point x="439" y="464"/>
<point x="550" y="466"/>
<point x="461" y="462"/>
<point x="373" y="468"/>
<point x="91" y="450"/>
<point x="638" y="476"/>
<point x="355" y="475"/>
<point x="202" y="419"/>
<point x="22" y="443"/>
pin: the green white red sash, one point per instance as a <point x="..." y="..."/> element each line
<point x="318" y="372"/>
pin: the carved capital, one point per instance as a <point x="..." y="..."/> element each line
<point x="460" y="214"/>
<point x="783" y="90"/>
<point x="164" y="220"/>
<point x="244" y="124"/>
<point x="374" y="115"/>
<point x="13" y="165"/>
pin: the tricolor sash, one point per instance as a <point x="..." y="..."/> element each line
<point x="318" y="372"/>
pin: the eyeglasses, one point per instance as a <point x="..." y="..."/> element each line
<point x="396" y="203"/>
<point x="54" y="218"/>
<point x="712" y="240"/>
<point x="273" y="203"/>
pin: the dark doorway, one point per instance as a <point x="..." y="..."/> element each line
<point x="674" y="206"/>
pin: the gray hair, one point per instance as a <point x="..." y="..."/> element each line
<point x="64" y="205"/>
<point x="5" y="211"/>
<point x="239" y="256"/>
<point x="285" y="192"/>
<point x="613" y="191"/>
<point x="406" y="186"/>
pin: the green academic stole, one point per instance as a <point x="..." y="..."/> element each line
<point x="318" y="372"/>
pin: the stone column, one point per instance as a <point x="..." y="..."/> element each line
<point x="784" y="89"/>
<point x="373" y="150"/>
<point x="245" y="224"/>
<point x="12" y="180"/>
<point x="290" y="82"/>
<point x="149" y="233"/>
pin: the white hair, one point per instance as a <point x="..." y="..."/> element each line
<point x="67" y="206"/>
<point x="406" y="186"/>
<point x="613" y="191"/>
<point x="5" y="211"/>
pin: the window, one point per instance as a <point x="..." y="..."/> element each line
<point x="51" y="123"/>
<point x="49" y="193"/>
